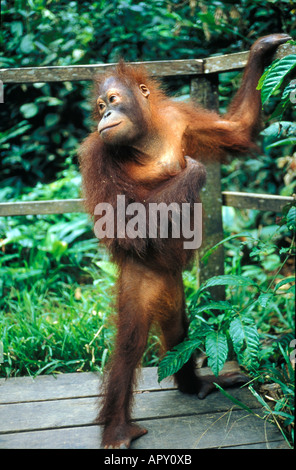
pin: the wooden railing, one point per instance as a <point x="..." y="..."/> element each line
<point x="204" y="77"/>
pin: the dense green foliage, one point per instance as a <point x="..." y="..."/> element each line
<point x="40" y="136"/>
<point x="55" y="284"/>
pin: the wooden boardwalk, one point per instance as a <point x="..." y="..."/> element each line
<point x="58" y="413"/>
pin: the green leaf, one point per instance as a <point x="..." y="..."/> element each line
<point x="51" y="120"/>
<point x="108" y="267"/>
<point x="234" y="400"/>
<point x="29" y="110"/>
<point x="276" y="75"/>
<point x="279" y="129"/>
<point x="279" y="143"/>
<point x="245" y="339"/>
<point x="283" y="282"/>
<point x="264" y="299"/>
<point x="229" y="280"/>
<point x="27" y="44"/>
<point x="16" y="28"/>
<point x="264" y="75"/>
<point x="260" y="398"/>
<point x="220" y="305"/>
<point x="291" y="219"/>
<point x="175" y="359"/>
<point x="27" y="274"/>
<point x="271" y="262"/>
<point x="19" y="129"/>
<point x="216" y="350"/>
<point x="237" y="335"/>
<point x="225" y="240"/>
<point x="289" y="91"/>
<point x="78" y="54"/>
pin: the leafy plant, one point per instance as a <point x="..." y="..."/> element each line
<point x="233" y="330"/>
<point x="276" y="79"/>
<point x="216" y="333"/>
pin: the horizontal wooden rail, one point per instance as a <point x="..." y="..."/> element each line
<point x="54" y="206"/>
<point x="237" y="61"/>
<point x="261" y="202"/>
<point x="162" y="68"/>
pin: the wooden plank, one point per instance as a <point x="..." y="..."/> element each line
<point x="78" y="385"/>
<point x="261" y="202"/>
<point x="215" y="64"/>
<point x="237" y="61"/>
<point x="55" y="414"/>
<point x="17" y="417"/>
<point x="161" y="68"/>
<point x="49" y="387"/>
<point x="55" y="206"/>
<point x="174" y="420"/>
<point x="210" y="431"/>
<point x="73" y="385"/>
<point x="226" y="62"/>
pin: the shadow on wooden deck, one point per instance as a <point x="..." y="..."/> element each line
<point x="57" y="413"/>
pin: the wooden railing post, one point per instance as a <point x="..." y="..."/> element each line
<point x="204" y="90"/>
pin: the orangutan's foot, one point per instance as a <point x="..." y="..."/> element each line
<point x="121" y="436"/>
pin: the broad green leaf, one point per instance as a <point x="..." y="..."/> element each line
<point x="27" y="44"/>
<point x="271" y="262"/>
<point x="175" y="359"/>
<point x="229" y="280"/>
<point x="275" y="76"/>
<point x="245" y="339"/>
<point x="29" y="110"/>
<point x="279" y="129"/>
<point x="289" y="91"/>
<point x="266" y="72"/>
<point x="17" y="28"/>
<point x="216" y="350"/>
<point x="291" y="219"/>
<point x="51" y="120"/>
<point x="221" y="305"/>
<point x="237" y="335"/>
<point x="264" y="299"/>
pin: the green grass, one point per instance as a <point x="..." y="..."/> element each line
<point x="56" y="331"/>
<point x="57" y="313"/>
